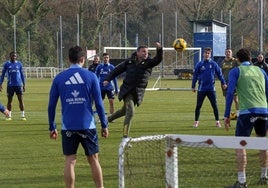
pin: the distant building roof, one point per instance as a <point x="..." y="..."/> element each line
<point x="208" y="22"/>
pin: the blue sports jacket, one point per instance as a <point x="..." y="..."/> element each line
<point x="77" y="89"/>
<point x="102" y="71"/>
<point x="204" y="73"/>
<point x="14" y="72"/>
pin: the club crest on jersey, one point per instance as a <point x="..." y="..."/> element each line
<point x="75" y="93"/>
<point x="75" y="99"/>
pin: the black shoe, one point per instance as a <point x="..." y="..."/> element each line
<point x="263" y="181"/>
<point x="238" y="185"/>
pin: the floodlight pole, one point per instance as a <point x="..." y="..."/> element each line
<point x="99" y="43"/>
<point x="29" y="49"/>
<point x="61" y="55"/>
<point x="230" y="29"/>
<point x="260" y="11"/>
<point x="162" y="41"/>
<point x="176" y="33"/>
<point x="78" y="31"/>
<point x="57" y="36"/>
<point x="125" y="33"/>
<point x="14" y="22"/>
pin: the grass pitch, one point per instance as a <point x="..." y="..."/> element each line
<point x="28" y="158"/>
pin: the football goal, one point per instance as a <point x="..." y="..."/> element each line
<point x="175" y="65"/>
<point x="183" y="161"/>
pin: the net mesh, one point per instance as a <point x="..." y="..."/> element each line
<point x="144" y="164"/>
<point x="200" y="164"/>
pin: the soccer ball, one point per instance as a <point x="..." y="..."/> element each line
<point x="179" y="44"/>
<point x="233" y="116"/>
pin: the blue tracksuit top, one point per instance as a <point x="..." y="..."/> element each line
<point x="204" y="72"/>
<point x="77" y="88"/>
<point x="15" y="76"/>
<point x="102" y="71"/>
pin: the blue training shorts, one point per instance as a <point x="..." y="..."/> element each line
<point x="246" y="123"/>
<point x="88" y="139"/>
<point x="14" y="89"/>
<point x="110" y="94"/>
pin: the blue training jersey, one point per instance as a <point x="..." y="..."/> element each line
<point x="204" y="73"/>
<point x="14" y="72"/>
<point x="77" y="89"/>
<point x="102" y="71"/>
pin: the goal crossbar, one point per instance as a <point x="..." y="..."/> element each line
<point x="150" y="48"/>
<point x="157" y="85"/>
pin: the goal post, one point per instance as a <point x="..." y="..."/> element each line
<point x="176" y="160"/>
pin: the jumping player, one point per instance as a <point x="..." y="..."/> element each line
<point x="138" y="69"/>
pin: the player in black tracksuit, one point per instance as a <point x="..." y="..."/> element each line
<point x="94" y="64"/>
<point x="138" y="69"/>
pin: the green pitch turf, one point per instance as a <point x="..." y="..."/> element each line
<point x="28" y="158"/>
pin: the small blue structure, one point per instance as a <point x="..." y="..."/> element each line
<point x="211" y="33"/>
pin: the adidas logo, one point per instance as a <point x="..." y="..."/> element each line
<point x="75" y="79"/>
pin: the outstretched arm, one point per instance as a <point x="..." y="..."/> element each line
<point x="158" y="45"/>
<point x="119" y="69"/>
<point x="159" y="56"/>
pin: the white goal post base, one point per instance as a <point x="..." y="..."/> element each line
<point x="171" y="155"/>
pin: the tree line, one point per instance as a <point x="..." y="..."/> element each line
<point x="99" y="23"/>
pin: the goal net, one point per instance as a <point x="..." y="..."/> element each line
<point x="174" y="65"/>
<point x="184" y="161"/>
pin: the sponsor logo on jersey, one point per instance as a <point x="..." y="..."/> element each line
<point x="75" y="79"/>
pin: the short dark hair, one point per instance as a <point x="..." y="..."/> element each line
<point x="207" y="49"/>
<point x="243" y="55"/>
<point x="75" y="54"/>
<point x="105" y="54"/>
<point x="12" y="53"/>
<point x="142" y="46"/>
